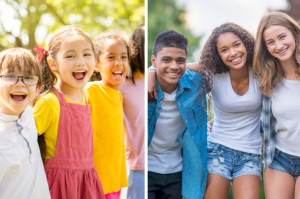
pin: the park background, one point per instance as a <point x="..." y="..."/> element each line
<point x="28" y="23"/>
<point x="196" y="19"/>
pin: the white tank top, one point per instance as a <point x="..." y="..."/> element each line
<point x="236" y="117"/>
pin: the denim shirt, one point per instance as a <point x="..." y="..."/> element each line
<point x="194" y="137"/>
<point x="268" y="124"/>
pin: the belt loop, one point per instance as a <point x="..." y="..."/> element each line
<point x="216" y="147"/>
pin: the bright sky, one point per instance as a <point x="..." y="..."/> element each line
<point x="205" y="15"/>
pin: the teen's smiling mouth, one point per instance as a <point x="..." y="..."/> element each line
<point x="283" y="51"/>
<point x="173" y="74"/>
<point x="18" y="97"/>
<point x="236" y="60"/>
<point x="79" y="75"/>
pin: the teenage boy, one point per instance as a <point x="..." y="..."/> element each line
<point x="177" y="136"/>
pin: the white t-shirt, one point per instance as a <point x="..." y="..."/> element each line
<point x="22" y="174"/>
<point x="236" y="117"/>
<point x="286" y="110"/>
<point x="165" y="150"/>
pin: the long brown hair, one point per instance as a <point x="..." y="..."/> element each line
<point x="137" y="53"/>
<point x="266" y="67"/>
<point x="49" y="78"/>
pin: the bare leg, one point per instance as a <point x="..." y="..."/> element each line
<point x="246" y="187"/>
<point x="297" y="189"/>
<point x="217" y="187"/>
<point x="279" y="184"/>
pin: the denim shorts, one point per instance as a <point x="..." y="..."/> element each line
<point x="287" y="163"/>
<point x="230" y="163"/>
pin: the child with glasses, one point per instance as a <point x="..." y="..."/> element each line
<point x="21" y="169"/>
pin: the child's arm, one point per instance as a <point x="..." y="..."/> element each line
<point x="194" y="67"/>
<point x="43" y="115"/>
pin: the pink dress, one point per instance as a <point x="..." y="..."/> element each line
<point x="71" y="172"/>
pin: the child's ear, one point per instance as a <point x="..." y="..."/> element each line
<point x="153" y="60"/>
<point x="53" y="65"/>
<point x="97" y="67"/>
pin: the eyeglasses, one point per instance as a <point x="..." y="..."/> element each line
<point x="29" y="80"/>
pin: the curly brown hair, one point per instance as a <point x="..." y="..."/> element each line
<point x="266" y="67"/>
<point x="210" y="60"/>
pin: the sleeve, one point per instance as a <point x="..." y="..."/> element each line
<point x="43" y="115"/>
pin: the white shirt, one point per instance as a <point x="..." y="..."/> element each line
<point x="236" y="117"/>
<point x="164" y="153"/>
<point x="22" y="175"/>
<point x="286" y="110"/>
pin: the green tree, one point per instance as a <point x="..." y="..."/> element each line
<point x="167" y="15"/>
<point x="34" y="21"/>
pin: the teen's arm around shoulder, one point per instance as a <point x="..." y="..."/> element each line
<point x="194" y="67"/>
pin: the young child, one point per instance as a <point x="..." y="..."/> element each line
<point x="63" y="116"/>
<point x="177" y="137"/>
<point x="133" y="93"/>
<point x="22" y="175"/>
<point x="112" y="54"/>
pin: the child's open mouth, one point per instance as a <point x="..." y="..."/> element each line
<point x="79" y="75"/>
<point x="18" y="97"/>
<point x="117" y="74"/>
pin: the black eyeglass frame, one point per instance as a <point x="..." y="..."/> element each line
<point x="17" y="80"/>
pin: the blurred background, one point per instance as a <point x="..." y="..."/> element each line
<point x="27" y="23"/>
<point x="196" y="19"/>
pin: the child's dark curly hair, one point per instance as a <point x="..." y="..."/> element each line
<point x="210" y="60"/>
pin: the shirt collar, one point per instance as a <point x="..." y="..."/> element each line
<point x="182" y="84"/>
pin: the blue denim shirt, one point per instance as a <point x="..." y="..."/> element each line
<point x="268" y="124"/>
<point x="194" y="137"/>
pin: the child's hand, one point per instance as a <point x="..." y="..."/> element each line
<point x="209" y="126"/>
<point x="152" y="89"/>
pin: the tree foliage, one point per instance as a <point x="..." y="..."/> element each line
<point x="167" y="15"/>
<point x="34" y="21"/>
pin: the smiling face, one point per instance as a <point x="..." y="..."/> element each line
<point x="232" y="50"/>
<point x="113" y="63"/>
<point x="15" y="98"/>
<point x="75" y="62"/>
<point x="170" y="64"/>
<point x="280" y="42"/>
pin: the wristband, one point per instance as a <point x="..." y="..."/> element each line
<point x="152" y="69"/>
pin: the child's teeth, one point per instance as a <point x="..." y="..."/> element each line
<point x="18" y="94"/>
<point x="173" y="73"/>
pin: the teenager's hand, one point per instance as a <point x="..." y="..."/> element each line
<point x="152" y="90"/>
<point x="209" y="126"/>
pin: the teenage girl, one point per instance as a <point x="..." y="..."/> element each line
<point x="132" y="90"/>
<point x="276" y="64"/>
<point x="63" y="116"/>
<point x="22" y="174"/>
<point x="112" y="53"/>
<point x="234" y="145"/>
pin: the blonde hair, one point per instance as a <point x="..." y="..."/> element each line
<point x="266" y="67"/>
